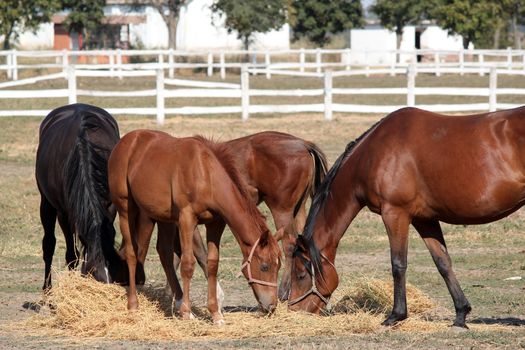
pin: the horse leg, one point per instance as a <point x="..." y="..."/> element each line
<point x="284" y="218"/>
<point x="129" y="254"/>
<point x="48" y="216"/>
<point x="214" y="232"/>
<point x="396" y="222"/>
<point x="432" y="234"/>
<point x="187" y="223"/>
<point x="168" y="235"/>
<point x="72" y="253"/>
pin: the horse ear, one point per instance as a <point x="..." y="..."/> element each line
<point x="279" y="234"/>
<point x="263" y="241"/>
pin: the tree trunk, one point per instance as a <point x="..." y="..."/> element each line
<point x="173" y="21"/>
<point x="466" y="41"/>
<point x="497" y="34"/>
<point x="515" y="31"/>
<point x="399" y="37"/>
<point x="7" y="39"/>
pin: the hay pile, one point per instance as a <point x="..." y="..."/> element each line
<point x="82" y="307"/>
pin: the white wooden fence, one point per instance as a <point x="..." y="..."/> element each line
<point x="302" y="60"/>
<point x="242" y="91"/>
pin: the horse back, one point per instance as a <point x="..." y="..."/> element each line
<point x="460" y="169"/>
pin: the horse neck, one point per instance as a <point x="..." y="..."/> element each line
<point x="339" y="210"/>
<point x="241" y="215"/>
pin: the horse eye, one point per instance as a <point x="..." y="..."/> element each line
<point x="265" y="267"/>
<point x="302" y="275"/>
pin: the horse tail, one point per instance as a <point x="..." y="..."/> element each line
<point x="320" y="165"/>
<point x="87" y="195"/>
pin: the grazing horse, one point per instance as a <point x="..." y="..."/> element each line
<point x="279" y="169"/>
<point x="413" y="167"/>
<point x="71" y="173"/>
<point x="156" y="177"/>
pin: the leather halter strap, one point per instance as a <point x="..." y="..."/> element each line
<point x="313" y="289"/>
<point x="247" y="264"/>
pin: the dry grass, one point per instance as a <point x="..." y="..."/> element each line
<point x="86" y="309"/>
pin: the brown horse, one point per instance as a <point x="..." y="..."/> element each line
<point x="279" y="169"/>
<point x="420" y="168"/>
<point x="155" y="177"/>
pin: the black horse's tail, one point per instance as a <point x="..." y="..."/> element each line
<point x="87" y="197"/>
<point x="320" y="170"/>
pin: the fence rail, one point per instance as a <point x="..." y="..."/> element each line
<point x="200" y="89"/>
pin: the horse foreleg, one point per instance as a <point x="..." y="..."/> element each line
<point x="167" y="239"/>
<point x="214" y="232"/>
<point x="396" y="222"/>
<point x="187" y="223"/>
<point x="48" y="216"/>
<point x="432" y="234"/>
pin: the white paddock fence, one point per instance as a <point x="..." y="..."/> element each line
<point x="303" y="60"/>
<point x="242" y="91"/>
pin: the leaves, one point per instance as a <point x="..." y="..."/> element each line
<point x="317" y="19"/>
<point x="250" y="16"/>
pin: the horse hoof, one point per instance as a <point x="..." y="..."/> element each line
<point x="459" y="329"/>
<point x="219" y="322"/>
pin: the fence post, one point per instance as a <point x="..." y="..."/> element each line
<point x="8" y="62"/>
<point x="523" y="59"/>
<point x="171" y="61"/>
<point x="318" y="59"/>
<point x="15" y="68"/>
<point x="65" y="61"/>
<point x="210" y="64"/>
<point x="393" y="66"/>
<point x="437" y="64"/>
<point x="160" y="96"/>
<point x="492" y="89"/>
<point x="509" y="57"/>
<point x="223" y="67"/>
<point x="347" y="55"/>
<point x="302" y="59"/>
<point x="267" y="64"/>
<point x="481" y="64"/>
<point x="111" y="62"/>
<point x="328" y="94"/>
<point x="71" y="84"/>
<point x="461" y="61"/>
<point x="411" y="85"/>
<point x="119" y="62"/>
<point x="245" y="93"/>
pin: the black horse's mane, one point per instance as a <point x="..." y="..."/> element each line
<point x="320" y="199"/>
<point x="87" y="189"/>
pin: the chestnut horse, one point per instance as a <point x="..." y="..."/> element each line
<point x="420" y="168"/>
<point x="71" y="173"/>
<point x="279" y="169"/>
<point x="156" y="177"/>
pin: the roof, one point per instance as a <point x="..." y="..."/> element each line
<point x="111" y="19"/>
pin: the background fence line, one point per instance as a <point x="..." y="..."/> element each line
<point x="318" y="60"/>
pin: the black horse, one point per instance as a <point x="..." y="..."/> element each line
<point x="71" y="173"/>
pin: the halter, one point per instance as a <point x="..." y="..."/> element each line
<point x="313" y="289"/>
<point x="247" y="264"/>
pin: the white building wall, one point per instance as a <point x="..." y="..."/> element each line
<point x="40" y="40"/>
<point x="438" y="39"/>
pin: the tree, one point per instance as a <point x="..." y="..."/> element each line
<point x="317" y="19"/>
<point x="20" y="15"/>
<point x="515" y="9"/>
<point x="169" y="10"/>
<point x="475" y="20"/>
<point x="396" y="14"/>
<point x="84" y="15"/>
<point x="248" y="17"/>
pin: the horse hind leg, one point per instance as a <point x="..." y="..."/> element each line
<point x="48" y="216"/>
<point x="187" y="224"/>
<point x="167" y="243"/>
<point x="432" y="235"/>
<point x="72" y="253"/>
<point x="396" y="222"/>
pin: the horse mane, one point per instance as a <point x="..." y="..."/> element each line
<point x="226" y="158"/>
<point x="321" y="197"/>
<point x="87" y="189"/>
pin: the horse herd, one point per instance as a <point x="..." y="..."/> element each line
<point x="412" y="167"/>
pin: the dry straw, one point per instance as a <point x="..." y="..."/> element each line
<point x="82" y="307"/>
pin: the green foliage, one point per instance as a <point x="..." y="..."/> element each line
<point x="251" y="16"/>
<point x="395" y="14"/>
<point x="20" y="15"/>
<point x="318" y="19"/>
<point x="475" y="20"/>
<point x="84" y="14"/>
